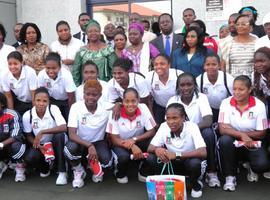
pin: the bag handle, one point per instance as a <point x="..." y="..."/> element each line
<point x="169" y="167"/>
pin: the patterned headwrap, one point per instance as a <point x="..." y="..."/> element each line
<point x="136" y="26"/>
<point x="91" y="22"/>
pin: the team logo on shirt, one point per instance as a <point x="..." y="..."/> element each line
<point x="5" y="128"/>
<point x="12" y="86"/>
<point x="83" y="120"/>
<point x="205" y="90"/>
<point x="35" y="125"/>
<point x="168" y="140"/>
<point x="156" y="86"/>
<point x="138" y="124"/>
<point x="250" y="115"/>
<point x="48" y="84"/>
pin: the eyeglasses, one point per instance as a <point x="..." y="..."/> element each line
<point x="242" y="25"/>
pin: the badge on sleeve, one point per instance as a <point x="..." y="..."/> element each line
<point x="6" y="128"/>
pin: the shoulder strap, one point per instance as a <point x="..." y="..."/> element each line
<point x="51" y="112"/>
<point x="30" y="113"/>
<point x="226" y="86"/>
<point x="152" y="79"/>
<point x="201" y="85"/>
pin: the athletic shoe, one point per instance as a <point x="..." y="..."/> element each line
<point x="79" y="175"/>
<point x="44" y="175"/>
<point x="123" y="180"/>
<point x="230" y="183"/>
<point x="197" y="193"/>
<point x="141" y="178"/>
<point x="3" y="168"/>
<point x="97" y="178"/>
<point x="266" y="175"/>
<point x="61" y="179"/>
<point x="212" y="180"/>
<point x="19" y="169"/>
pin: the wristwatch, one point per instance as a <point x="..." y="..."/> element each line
<point x="1" y="145"/>
<point x="135" y="139"/>
<point x="178" y="155"/>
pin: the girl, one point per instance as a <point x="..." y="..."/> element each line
<point x="90" y="72"/>
<point x="180" y="141"/>
<point x="161" y="82"/>
<point x="130" y="134"/>
<point x="19" y="83"/>
<point x="87" y="124"/>
<point x="59" y="83"/>
<point x="199" y="111"/>
<point x="44" y="124"/>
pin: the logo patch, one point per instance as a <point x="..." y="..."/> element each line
<point x="157" y="86"/>
<point x="205" y="90"/>
<point x="138" y="124"/>
<point x="168" y="140"/>
<point x="6" y="128"/>
<point x="35" y="125"/>
<point x="84" y="120"/>
<point x="48" y="84"/>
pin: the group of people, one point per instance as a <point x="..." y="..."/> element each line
<point x="98" y="103"/>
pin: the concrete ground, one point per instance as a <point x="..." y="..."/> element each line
<point x="45" y="189"/>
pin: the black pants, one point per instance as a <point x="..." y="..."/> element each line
<point x="229" y="155"/>
<point x="159" y="113"/>
<point x="20" y="106"/>
<point x="62" y="105"/>
<point x="35" y="158"/>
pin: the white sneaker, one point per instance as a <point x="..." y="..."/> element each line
<point x="230" y="183"/>
<point x="212" y="180"/>
<point x="43" y="175"/>
<point x="266" y="175"/>
<point x="79" y="175"/>
<point x="61" y="179"/>
<point x="97" y="178"/>
<point x="197" y="193"/>
<point x="123" y="180"/>
<point x="141" y="178"/>
<point x="252" y="176"/>
<point x="3" y="168"/>
<point x="20" y="176"/>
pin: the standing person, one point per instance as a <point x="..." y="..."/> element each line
<point x="224" y="31"/>
<point x="87" y="123"/>
<point x="12" y="145"/>
<point x="44" y="124"/>
<point x="66" y="45"/>
<point x="199" y="111"/>
<point x="265" y="40"/>
<point x="120" y="42"/>
<point x="19" y="83"/>
<point x="178" y="140"/>
<point x="17" y="29"/>
<point x="59" y="83"/>
<point x="243" y="118"/>
<point x="146" y="25"/>
<point x="167" y="42"/>
<point x="83" y="19"/>
<point x="97" y="51"/>
<point x="33" y="50"/>
<point x="109" y="32"/>
<point x="188" y="17"/>
<point x="131" y="134"/>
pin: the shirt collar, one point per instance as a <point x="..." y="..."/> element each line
<point x="251" y="103"/>
<point x="46" y="115"/>
<point x="22" y="76"/>
<point x="124" y="115"/>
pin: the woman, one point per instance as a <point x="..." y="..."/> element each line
<point x="161" y="83"/>
<point x="199" y="111"/>
<point x="34" y="52"/>
<point x="242" y="118"/>
<point x="97" y="51"/>
<point x="87" y="123"/>
<point x="239" y="58"/>
<point x="66" y="45"/>
<point x="191" y="57"/>
<point x="44" y="126"/>
<point x="130" y="134"/>
<point x="179" y="141"/>
<point x="12" y="145"/>
<point x="139" y="52"/>
<point x="120" y="41"/>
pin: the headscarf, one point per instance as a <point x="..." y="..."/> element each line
<point x="136" y="26"/>
<point x="91" y="23"/>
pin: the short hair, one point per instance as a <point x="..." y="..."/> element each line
<point x="42" y="90"/>
<point x="133" y="90"/>
<point x="211" y="55"/>
<point x="180" y="108"/>
<point x="90" y="62"/>
<point x="82" y="14"/>
<point x="3" y="32"/>
<point x="253" y="11"/>
<point x="23" y="32"/>
<point x="189" y="9"/>
<point x="187" y="74"/>
<point x="250" y="20"/>
<point x="53" y="56"/>
<point x="16" y="55"/>
<point x="124" y="63"/>
<point x="165" y="56"/>
<point x="62" y="23"/>
<point x="164" y="14"/>
<point x="3" y="100"/>
<point x="146" y="21"/>
<point x="92" y="84"/>
<point x="121" y="33"/>
<point x="245" y="79"/>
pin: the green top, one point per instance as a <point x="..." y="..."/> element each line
<point x="104" y="59"/>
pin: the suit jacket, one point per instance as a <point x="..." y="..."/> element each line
<point x="16" y="44"/>
<point x="77" y="35"/>
<point x="176" y="43"/>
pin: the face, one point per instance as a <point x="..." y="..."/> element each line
<point x="83" y="20"/>
<point x="211" y="66"/>
<point x="41" y="102"/>
<point x="165" y="24"/>
<point x="261" y="63"/>
<point x="130" y="102"/>
<point x="224" y="32"/>
<point x="161" y="66"/>
<point x="63" y="32"/>
<point x="31" y="35"/>
<point x="134" y="18"/>
<point x="120" y="75"/>
<point x="134" y="36"/>
<point x="188" y="17"/>
<point x="192" y="39"/>
<point x="174" y="119"/>
<point x="240" y="91"/>
<point x="109" y="30"/>
<point x="14" y="66"/>
<point x="146" y="26"/>
<point x="93" y="33"/>
<point x="119" y="42"/>
<point x="17" y="29"/>
<point x="267" y="29"/>
<point x="243" y="26"/>
<point x="231" y="24"/>
<point x="90" y="73"/>
<point x="52" y="69"/>
<point x="91" y="97"/>
<point x="186" y="87"/>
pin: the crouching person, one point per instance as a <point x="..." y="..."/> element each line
<point x="87" y="123"/>
<point x="11" y="140"/>
<point x="45" y="127"/>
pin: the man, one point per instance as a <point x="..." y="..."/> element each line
<point x="265" y="40"/>
<point x="188" y="17"/>
<point x="167" y="42"/>
<point x="109" y="31"/>
<point x="231" y="23"/>
<point x="82" y="21"/>
<point x="17" y="29"/>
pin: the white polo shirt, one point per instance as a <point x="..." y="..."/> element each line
<point x="190" y="138"/>
<point x="160" y="92"/>
<point x="90" y="126"/>
<point x="136" y="81"/>
<point x="59" y="87"/>
<point x="45" y="123"/>
<point x="217" y="92"/>
<point x="67" y="51"/>
<point x="4" y="51"/>
<point x="23" y="86"/>
<point x="197" y="109"/>
<point x="253" y="118"/>
<point x="104" y="96"/>
<point x="126" y="128"/>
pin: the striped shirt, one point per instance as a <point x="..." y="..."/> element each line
<point x="10" y="124"/>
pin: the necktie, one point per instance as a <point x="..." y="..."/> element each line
<point x="168" y="46"/>
<point x="83" y="39"/>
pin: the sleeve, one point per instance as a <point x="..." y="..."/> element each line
<point x="197" y="136"/>
<point x="224" y="112"/>
<point x="142" y="86"/>
<point x="171" y="100"/>
<point x="15" y="126"/>
<point x="72" y="117"/>
<point x="69" y="83"/>
<point x="198" y="80"/>
<point x="112" y="127"/>
<point x="158" y="140"/>
<point x="27" y="126"/>
<point x="261" y="122"/>
<point x="5" y="83"/>
<point x="40" y="80"/>
<point x="148" y="80"/>
<point x="230" y="80"/>
<point x="32" y="79"/>
<point x="77" y="68"/>
<point x="205" y="106"/>
<point x="59" y="119"/>
<point x="112" y="93"/>
<point x="150" y="122"/>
